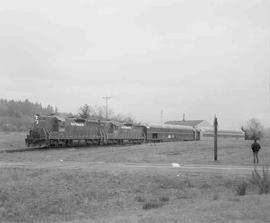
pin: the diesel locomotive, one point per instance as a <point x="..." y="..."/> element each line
<point x="57" y="131"/>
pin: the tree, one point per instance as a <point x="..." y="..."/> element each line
<point x="253" y="130"/>
<point x="99" y="113"/>
<point x="124" y="118"/>
<point x="85" y="111"/>
<point x="55" y="110"/>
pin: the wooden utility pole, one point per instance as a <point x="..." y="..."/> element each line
<point x="215" y="138"/>
<point x="107" y="99"/>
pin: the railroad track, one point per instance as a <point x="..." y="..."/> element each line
<point x="26" y="149"/>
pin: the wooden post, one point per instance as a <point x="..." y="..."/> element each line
<point x="215" y="138"/>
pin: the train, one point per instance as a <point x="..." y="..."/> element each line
<point x="57" y="131"/>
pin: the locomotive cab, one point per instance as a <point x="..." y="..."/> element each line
<point x="38" y="134"/>
<point x="57" y="124"/>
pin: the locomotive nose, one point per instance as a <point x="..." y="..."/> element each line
<point x="32" y="137"/>
<point x="29" y="139"/>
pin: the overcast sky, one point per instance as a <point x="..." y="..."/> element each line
<point x="198" y="57"/>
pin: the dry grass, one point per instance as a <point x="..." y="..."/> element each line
<point x="261" y="181"/>
<point x="242" y="188"/>
<point x="62" y="195"/>
<point x="258" y="183"/>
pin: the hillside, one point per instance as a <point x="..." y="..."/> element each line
<point x="18" y="115"/>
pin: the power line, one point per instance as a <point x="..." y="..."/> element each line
<point x="107" y="99"/>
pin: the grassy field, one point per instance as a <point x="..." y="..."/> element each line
<point x="75" y="196"/>
<point x="140" y="195"/>
<point x="12" y="140"/>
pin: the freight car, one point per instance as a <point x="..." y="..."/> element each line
<point x="56" y="131"/>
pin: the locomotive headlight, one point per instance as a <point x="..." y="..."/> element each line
<point x="36" y="119"/>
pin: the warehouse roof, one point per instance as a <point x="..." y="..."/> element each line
<point x="185" y="122"/>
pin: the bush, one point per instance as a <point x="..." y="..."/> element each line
<point x="215" y="197"/>
<point x="241" y="188"/>
<point x="152" y="204"/>
<point x="164" y="198"/>
<point x="184" y="194"/>
<point x="139" y="199"/>
<point x="262" y="182"/>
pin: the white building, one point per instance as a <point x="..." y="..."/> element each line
<point x="207" y="130"/>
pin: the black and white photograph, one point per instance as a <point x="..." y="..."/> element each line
<point x="134" y="111"/>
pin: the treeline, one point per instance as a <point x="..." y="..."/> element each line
<point x="18" y="115"/>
